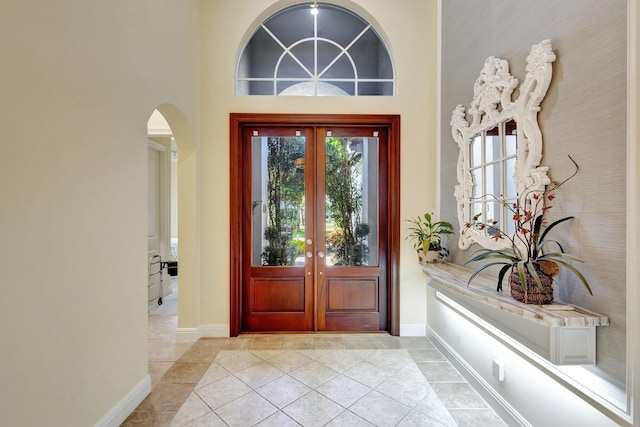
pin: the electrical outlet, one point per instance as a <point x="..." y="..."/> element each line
<point x="498" y="369"/>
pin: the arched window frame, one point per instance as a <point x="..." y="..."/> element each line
<point x="315" y="82"/>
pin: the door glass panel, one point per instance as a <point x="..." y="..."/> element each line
<point x="351" y="194"/>
<point x="277" y="200"/>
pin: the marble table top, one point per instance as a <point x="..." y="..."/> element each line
<point x="452" y="278"/>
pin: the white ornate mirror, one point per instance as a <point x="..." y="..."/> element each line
<point x="500" y="150"/>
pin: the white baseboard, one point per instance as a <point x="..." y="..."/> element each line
<point x="194" y="334"/>
<point x="187" y="334"/>
<point x="413" y="330"/>
<point x="116" y="416"/>
<point x="220" y="330"/>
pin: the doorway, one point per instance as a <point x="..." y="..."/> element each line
<point x="316" y="248"/>
<point x="162" y="210"/>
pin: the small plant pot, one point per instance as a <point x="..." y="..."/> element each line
<point x="533" y="294"/>
<point x="428" y="258"/>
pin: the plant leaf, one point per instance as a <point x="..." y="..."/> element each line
<point x="553" y="224"/>
<point x="486" y="253"/>
<point x="580" y="276"/>
<point x="533" y="273"/>
<point x="503" y="270"/>
<point x="550" y="241"/>
<point x="557" y="256"/>
<point x="475" y="273"/>
<point x="522" y="275"/>
<point x="537" y="241"/>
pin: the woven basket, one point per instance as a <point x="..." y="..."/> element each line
<point x="534" y="294"/>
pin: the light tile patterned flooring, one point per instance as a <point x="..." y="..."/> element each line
<point x="302" y="380"/>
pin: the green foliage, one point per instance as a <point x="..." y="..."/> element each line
<point x="426" y="233"/>
<point x="356" y="253"/>
<point x="285" y="189"/>
<point x="280" y="251"/>
<point x="344" y="197"/>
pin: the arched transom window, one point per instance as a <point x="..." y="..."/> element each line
<point x="315" y="49"/>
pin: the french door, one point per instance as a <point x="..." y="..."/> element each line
<point x="314" y="235"/>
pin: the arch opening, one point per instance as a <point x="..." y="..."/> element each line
<point x="168" y="127"/>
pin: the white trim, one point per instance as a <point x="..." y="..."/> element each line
<point x="413" y="330"/>
<point x="127" y="405"/>
<point x="633" y="209"/>
<point x="156" y="146"/>
<point x="220" y="330"/>
<point x="187" y="334"/>
<point x="159" y="132"/>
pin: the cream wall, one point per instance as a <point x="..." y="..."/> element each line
<point x="226" y="25"/>
<point x="79" y="81"/>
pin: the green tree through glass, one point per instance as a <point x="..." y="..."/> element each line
<point x="344" y="203"/>
<point x="285" y="189"/>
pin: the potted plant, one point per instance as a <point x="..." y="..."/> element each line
<point x="532" y="258"/>
<point x="426" y="235"/>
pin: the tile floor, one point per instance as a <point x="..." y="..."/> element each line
<point x="302" y="380"/>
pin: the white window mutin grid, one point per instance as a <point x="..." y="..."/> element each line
<point x="315" y="49"/>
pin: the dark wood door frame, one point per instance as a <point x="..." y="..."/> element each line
<point x="239" y="121"/>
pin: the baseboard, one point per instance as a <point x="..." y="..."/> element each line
<point x="510" y="416"/>
<point x="209" y="331"/>
<point x="220" y="330"/>
<point x="187" y="334"/>
<point x="116" y="416"/>
<point x="413" y="330"/>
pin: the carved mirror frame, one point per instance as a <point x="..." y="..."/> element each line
<point x="492" y="106"/>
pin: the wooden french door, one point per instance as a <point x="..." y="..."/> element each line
<point x="314" y="249"/>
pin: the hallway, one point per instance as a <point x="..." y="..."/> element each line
<point x="302" y="379"/>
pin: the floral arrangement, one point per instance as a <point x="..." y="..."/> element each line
<point x="530" y="253"/>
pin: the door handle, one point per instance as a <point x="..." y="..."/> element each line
<point x="309" y="254"/>
<point x="320" y="254"/>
